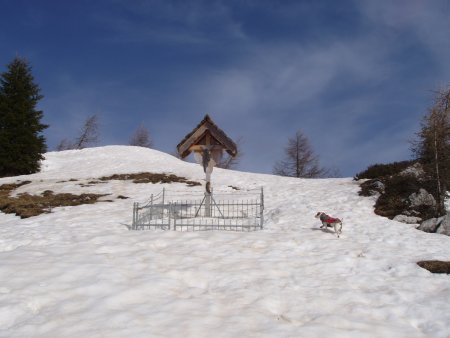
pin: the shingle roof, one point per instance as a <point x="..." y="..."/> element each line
<point x="206" y="126"/>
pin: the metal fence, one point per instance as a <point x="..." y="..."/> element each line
<point x="233" y="211"/>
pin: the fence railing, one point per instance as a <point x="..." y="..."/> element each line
<point x="237" y="211"/>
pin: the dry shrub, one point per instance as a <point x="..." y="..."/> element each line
<point x="151" y="178"/>
<point x="435" y="266"/>
<point x="26" y="205"/>
<point x="395" y="199"/>
<point x="383" y="170"/>
<point x="7" y="188"/>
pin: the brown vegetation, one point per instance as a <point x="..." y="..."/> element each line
<point x="435" y="266"/>
<point x="376" y="171"/>
<point x="25" y="205"/>
<point x="151" y="178"/>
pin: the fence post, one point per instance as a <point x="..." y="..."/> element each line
<point x="173" y="206"/>
<point x="151" y="208"/>
<point x="262" y="207"/>
<point x="134" y="225"/>
<point x="169" y="210"/>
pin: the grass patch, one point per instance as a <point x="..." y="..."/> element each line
<point x="151" y="178"/>
<point x="26" y="205"/>
<point x="71" y="180"/>
<point x="97" y="182"/>
<point x="7" y="188"/>
<point x="435" y="266"/>
<point x="91" y="183"/>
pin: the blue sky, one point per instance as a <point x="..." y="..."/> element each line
<point x="355" y="76"/>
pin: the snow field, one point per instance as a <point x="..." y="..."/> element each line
<point x="79" y="271"/>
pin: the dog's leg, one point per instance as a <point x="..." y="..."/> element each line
<point x="338" y="229"/>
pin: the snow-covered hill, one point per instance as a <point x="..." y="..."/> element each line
<point x="79" y="271"/>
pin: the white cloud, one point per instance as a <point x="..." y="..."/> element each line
<point x="283" y="87"/>
<point x="266" y="90"/>
<point x="189" y="22"/>
<point x="427" y="20"/>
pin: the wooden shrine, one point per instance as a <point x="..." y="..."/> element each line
<point x="206" y="135"/>
<point x="207" y="142"/>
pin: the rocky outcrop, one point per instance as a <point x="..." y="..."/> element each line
<point x="372" y="187"/>
<point x="402" y="192"/>
<point x="430" y="225"/>
<point x="422" y="198"/>
<point x="415" y="170"/>
<point x="444" y="226"/>
<point x="439" y="225"/>
<point x="407" y="219"/>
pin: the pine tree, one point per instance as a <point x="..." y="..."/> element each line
<point x="21" y="141"/>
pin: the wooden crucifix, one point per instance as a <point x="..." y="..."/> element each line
<point x="208" y="143"/>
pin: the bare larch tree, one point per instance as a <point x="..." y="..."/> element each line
<point x="88" y="136"/>
<point x="432" y="147"/>
<point x="230" y="162"/>
<point x="299" y="160"/>
<point x="141" y="138"/>
<point x="88" y="133"/>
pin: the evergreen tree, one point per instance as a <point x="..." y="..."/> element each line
<point x="21" y="141"/>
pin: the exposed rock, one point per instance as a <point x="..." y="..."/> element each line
<point x="407" y="219"/>
<point x="415" y="170"/>
<point x="411" y="213"/>
<point x="430" y="225"/>
<point x="422" y="198"/>
<point x="435" y="266"/>
<point x="378" y="186"/>
<point x="444" y="226"/>
<point x="402" y="191"/>
<point x="372" y="187"/>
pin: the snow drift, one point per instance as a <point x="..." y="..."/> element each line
<point x="79" y="271"/>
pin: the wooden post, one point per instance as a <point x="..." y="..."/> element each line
<point x="207" y="204"/>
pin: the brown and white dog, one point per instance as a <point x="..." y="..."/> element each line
<point x="328" y="221"/>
